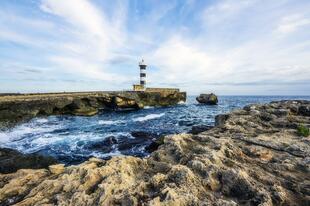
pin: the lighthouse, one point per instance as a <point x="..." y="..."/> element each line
<point x="142" y="66"/>
<point x="141" y="86"/>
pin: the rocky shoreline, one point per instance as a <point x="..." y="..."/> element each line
<point x="22" y="107"/>
<point x="254" y="156"/>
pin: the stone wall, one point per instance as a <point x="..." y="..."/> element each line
<point x="162" y="90"/>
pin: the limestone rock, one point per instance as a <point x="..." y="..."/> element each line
<point x="247" y="160"/>
<point x="210" y="99"/>
<point x="19" y="108"/>
<point x="56" y="169"/>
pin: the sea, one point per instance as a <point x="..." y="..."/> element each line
<point x="74" y="139"/>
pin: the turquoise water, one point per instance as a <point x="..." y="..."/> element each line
<point x="72" y="139"/>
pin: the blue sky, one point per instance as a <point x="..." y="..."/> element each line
<point x="230" y="47"/>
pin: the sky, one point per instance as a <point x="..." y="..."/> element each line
<point x="230" y="47"/>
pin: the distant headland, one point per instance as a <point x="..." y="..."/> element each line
<point x="19" y="107"/>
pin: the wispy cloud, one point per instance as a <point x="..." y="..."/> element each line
<point x="292" y="23"/>
<point x="224" y="46"/>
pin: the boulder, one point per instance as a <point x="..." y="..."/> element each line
<point x="210" y="99"/>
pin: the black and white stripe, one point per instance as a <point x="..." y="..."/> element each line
<point x="142" y="66"/>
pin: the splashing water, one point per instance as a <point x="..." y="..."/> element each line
<point x="73" y="139"/>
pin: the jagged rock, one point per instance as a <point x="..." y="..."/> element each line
<point x="56" y="169"/>
<point x="155" y="144"/>
<point x="125" y="103"/>
<point x="200" y="128"/>
<point x="245" y="161"/>
<point x="210" y="99"/>
<point x="221" y="119"/>
<point x="141" y="138"/>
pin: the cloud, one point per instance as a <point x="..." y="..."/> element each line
<point x="85" y="69"/>
<point x="89" y="24"/>
<point x="225" y="10"/>
<point x="227" y="55"/>
<point x="223" y="46"/>
<point x="94" y="41"/>
<point x="292" y="23"/>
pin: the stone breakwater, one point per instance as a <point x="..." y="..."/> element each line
<point x="15" y="108"/>
<point x="254" y="156"/>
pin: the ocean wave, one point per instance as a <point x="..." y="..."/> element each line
<point x="27" y="129"/>
<point x="148" y="117"/>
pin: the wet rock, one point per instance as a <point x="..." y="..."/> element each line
<point x="200" y="128"/>
<point x="12" y="160"/>
<point x="221" y="119"/>
<point x="210" y="99"/>
<point x="140" y="139"/>
<point x="155" y="144"/>
<point x="143" y="135"/>
<point x="106" y="145"/>
<point x="304" y="110"/>
<point x="185" y="123"/>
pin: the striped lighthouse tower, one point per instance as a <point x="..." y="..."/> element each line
<point x="142" y="66"/>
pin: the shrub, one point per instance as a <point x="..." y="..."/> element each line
<point x="302" y="130"/>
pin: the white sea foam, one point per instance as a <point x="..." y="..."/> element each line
<point x="46" y="140"/>
<point x="22" y="130"/>
<point x="4" y="137"/>
<point x="110" y="122"/>
<point x="148" y="107"/>
<point x="110" y="154"/>
<point x="42" y="120"/>
<point x="148" y="117"/>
